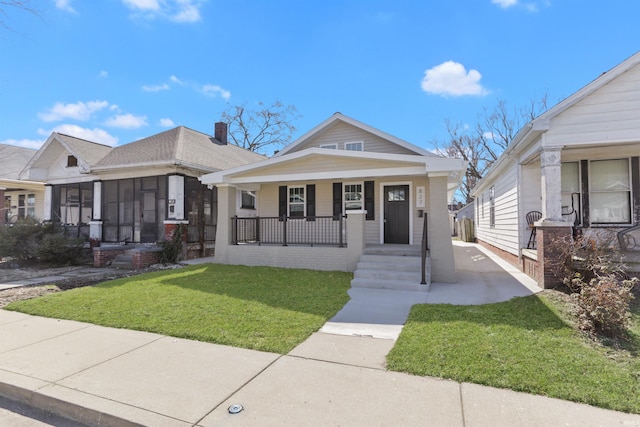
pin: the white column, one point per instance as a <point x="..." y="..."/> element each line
<point x="551" y="185"/>
<point x="48" y="194"/>
<point x="97" y="200"/>
<point x="176" y="197"/>
<point x="226" y="210"/>
<point x="355" y="237"/>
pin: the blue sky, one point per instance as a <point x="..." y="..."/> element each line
<point x="114" y="71"/>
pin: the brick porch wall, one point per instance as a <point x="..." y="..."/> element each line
<point x="102" y="256"/>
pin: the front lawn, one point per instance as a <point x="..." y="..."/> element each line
<point x="524" y="345"/>
<point x="261" y="308"/>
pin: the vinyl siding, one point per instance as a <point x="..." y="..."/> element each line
<point x="610" y="114"/>
<point x="341" y="132"/>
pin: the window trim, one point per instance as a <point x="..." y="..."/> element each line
<point x="629" y="193"/>
<point x="303" y="202"/>
<point x="333" y="146"/>
<point x="347" y="143"/>
<point x="72" y="161"/>
<point x="344" y="195"/>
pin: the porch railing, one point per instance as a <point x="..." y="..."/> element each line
<point x="313" y="231"/>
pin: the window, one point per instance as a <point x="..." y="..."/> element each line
<point x="353" y="146"/>
<point x="72" y="161"/>
<point x="296" y="202"/>
<point x="330" y="146"/>
<point x="352" y="197"/>
<point x="570" y="183"/>
<point x="21" y="206"/>
<point x="31" y="205"/>
<point x="248" y="200"/>
<point x="492" y="206"/>
<point x="610" y="191"/>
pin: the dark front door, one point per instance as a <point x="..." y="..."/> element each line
<point x="396" y="214"/>
<point x="148" y="232"/>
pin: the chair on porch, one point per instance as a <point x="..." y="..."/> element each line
<point x="532" y="217"/>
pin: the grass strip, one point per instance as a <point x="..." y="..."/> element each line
<point x="260" y="308"/>
<point x="524" y="345"/>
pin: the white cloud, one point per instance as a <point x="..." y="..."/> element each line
<point x="26" y="143"/>
<point x="103" y="74"/>
<point x="181" y="11"/>
<point x="505" y="3"/>
<point x="127" y="121"/>
<point x="78" y="111"/>
<point x="215" y="90"/>
<point x="156" y="88"/>
<point x="65" y="5"/>
<point x="167" y="123"/>
<point x="95" y="135"/>
<point x="146" y="5"/>
<point x="176" y="80"/>
<point x="452" y="79"/>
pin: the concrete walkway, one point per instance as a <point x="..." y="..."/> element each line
<point x="105" y="376"/>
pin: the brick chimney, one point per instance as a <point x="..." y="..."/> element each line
<point x="220" y="133"/>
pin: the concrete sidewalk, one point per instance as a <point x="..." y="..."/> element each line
<point x="105" y="376"/>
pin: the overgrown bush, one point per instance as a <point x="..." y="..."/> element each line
<point x="172" y="248"/>
<point x="592" y="269"/>
<point x="30" y="241"/>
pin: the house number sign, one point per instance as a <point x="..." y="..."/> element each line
<point x="420" y="197"/>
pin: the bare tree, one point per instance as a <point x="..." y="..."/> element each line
<point x="481" y="146"/>
<point x="6" y="5"/>
<point x="266" y="127"/>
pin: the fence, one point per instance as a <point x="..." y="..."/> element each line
<point x="313" y="231"/>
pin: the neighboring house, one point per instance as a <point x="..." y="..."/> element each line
<point x="577" y="164"/>
<point x="384" y="185"/>
<point x="18" y="199"/>
<point x="137" y="192"/>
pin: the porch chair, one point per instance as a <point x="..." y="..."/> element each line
<point x="532" y="217"/>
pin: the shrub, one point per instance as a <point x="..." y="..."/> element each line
<point x="172" y="248"/>
<point x="29" y="240"/>
<point x="593" y="271"/>
<point x="602" y="304"/>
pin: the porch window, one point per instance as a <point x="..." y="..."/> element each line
<point x="296" y="202"/>
<point x="248" y="200"/>
<point x="352" y="197"/>
<point x="353" y="146"/>
<point x="570" y="193"/>
<point x="610" y="191"/>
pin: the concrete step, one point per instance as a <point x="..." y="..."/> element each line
<point x="388" y="284"/>
<point x="393" y="263"/>
<point x="393" y="250"/>
<point x="393" y="275"/>
<point x="123" y="261"/>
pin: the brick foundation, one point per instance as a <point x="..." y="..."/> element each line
<point x="146" y="257"/>
<point x="507" y="256"/>
<point x="103" y="256"/>
<point x="545" y="236"/>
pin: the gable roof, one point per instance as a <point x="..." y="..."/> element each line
<point x="345" y="119"/>
<point x="536" y="127"/>
<point x="178" y="146"/>
<point x="13" y="159"/>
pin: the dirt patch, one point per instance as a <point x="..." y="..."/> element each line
<point x="80" y="278"/>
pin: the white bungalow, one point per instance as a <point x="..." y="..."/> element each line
<point x="577" y="165"/>
<point x="18" y="198"/>
<point x="339" y="190"/>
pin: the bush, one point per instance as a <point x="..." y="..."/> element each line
<point x="172" y="248"/>
<point x="602" y="304"/>
<point x="29" y="240"/>
<point x="593" y="271"/>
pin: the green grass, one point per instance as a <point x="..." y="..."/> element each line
<point x="259" y="308"/>
<point x="523" y="345"/>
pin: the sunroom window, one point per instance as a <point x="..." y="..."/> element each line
<point x="610" y="188"/>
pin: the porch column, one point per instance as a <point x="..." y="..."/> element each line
<point x="552" y="226"/>
<point x="2" y="207"/>
<point x="48" y="195"/>
<point x="440" y="247"/>
<point x="95" y="225"/>
<point x="355" y="237"/>
<point x="226" y="210"/>
<point x="176" y="197"/>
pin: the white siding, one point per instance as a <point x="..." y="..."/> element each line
<point x="504" y="234"/>
<point x="610" y="114"/>
<point x="343" y="132"/>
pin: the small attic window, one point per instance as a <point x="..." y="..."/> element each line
<point x="353" y="146"/>
<point x="72" y="161"/>
<point x="330" y="146"/>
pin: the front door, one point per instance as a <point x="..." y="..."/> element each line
<point x="148" y="233"/>
<point x="396" y="214"/>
